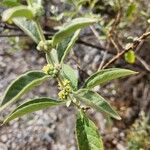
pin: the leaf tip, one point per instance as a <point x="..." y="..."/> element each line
<point x="2" y="124"/>
<point x="5" y="121"/>
<point x="134" y="72"/>
<point x="131" y="72"/>
<point x="118" y="117"/>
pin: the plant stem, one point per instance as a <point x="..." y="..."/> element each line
<point x="49" y="57"/>
<point x="50" y="60"/>
<point x="40" y="31"/>
<point x="59" y="78"/>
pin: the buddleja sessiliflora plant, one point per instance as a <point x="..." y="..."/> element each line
<point x="56" y="49"/>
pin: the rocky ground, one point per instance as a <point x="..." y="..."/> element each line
<point x="50" y="129"/>
<point x="53" y="129"/>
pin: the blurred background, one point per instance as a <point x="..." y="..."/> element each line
<point x="121" y="22"/>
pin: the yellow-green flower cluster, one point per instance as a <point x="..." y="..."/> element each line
<point x="50" y="70"/>
<point x="65" y="90"/>
<point x="44" y="46"/>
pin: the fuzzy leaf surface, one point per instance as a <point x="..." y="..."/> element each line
<point x="87" y="134"/>
<point x="17" y="11"/>
<point x="66" y="45"/>
<point x="29" y="27"/>
<point x="106" y="75"/>
<point x="70" y="74"/>
<point x="94" y="100"/>
<point x="21" y="85"/>
<point x="32" y="106"/>
<point x="71" y="27"/>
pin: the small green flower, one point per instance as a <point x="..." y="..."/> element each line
<point x="45" y="46"/>
<point x="50" y="70"/>
<point x="68" y="88"/>
<point x="62" y="95"/>
<point x="65" y="89"/>
<point x="66" y="82"/>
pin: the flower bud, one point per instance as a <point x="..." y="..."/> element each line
<point x="65" y="89"/>
<point x="50" y="70"/>
<point x="45" y="46"/>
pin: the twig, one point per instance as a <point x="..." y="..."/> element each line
<point x="103" y="61"/>
<point x="140" y="45"/>
<point x="13" y="35"/>
<point x="80" y="41"/>
<point x="132" y="46"/>
<point x="96" y="34"/>
<point x="146" y="66"/>
<point x="7" y="26"/>
<point x="115" y="44"/>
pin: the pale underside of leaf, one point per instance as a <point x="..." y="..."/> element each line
<point x="87" y="134"/>
<point x="96" y="101"/>
<point x="18" y="11"/>
<point x="106" y="75"/>
<point x="62" y="46"/>
<point x="32" y="106"/>
<point x="54" y="56"/>
<point x="21" y="85"/>
<point x="70" y="45"/>
<point x="29" y="27"/>
<point x="70" y="74"/>
<point x="71" y="27"/>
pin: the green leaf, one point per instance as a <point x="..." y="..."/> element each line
<point x="131" y="9"/>
<point x="106" y="75"/>
<point x="53" y="55"/>
<point x="11" y="3"/>
<point x="70" y="74"/>
<point x="62" y="46"/>
<point x="66" y="45"/>
<point x="96" y="101"/>
<point x="21" y="85"/>
<point x="87" y="134"/>
<point x="29" y="27"/>
<point x="17" y="11"/>
<point x="70" y="28"/>
<point x="32" y="106"/>
<point x="130" y="57"/>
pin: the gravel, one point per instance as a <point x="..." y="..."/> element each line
<point x="50" y="129"/>
<point x="47" y="129"/>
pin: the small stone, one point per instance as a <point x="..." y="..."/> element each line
<point x="96" y="59"/>
<point x="122" y="134"/>
<point x="4" y="138"/>
<point x="86" y="58"/>
<point x="13" y="145"/>
<point x="121" y="147"/>
<point x="115" y="130"/>
<point x="47" y="138"/>
<point x="3" y="146"/>
<point x="115" y="141"/>
<point x="15" y="125"/>
<point x="72" y="148"/>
